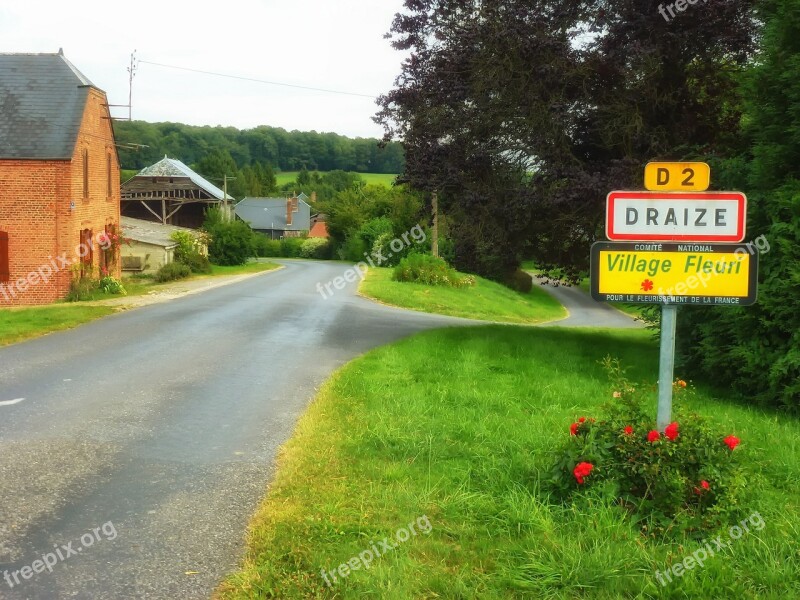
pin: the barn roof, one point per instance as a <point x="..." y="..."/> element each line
<point x="171" y="167"/>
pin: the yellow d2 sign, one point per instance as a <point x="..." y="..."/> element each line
<point x="677" y="176"/>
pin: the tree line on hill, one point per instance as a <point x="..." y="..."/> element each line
<point x="265" y="146"/>
<point x="522" y="115"/>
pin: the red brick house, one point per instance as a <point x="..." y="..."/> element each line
<point x="59" y="179"/>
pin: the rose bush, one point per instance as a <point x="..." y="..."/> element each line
<point x="688" y="478"/>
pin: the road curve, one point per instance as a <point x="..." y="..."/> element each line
<point x="145" y="439"/>
<point x="584" y="311"/>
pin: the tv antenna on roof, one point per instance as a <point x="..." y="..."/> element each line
<point x="131" y="74"/>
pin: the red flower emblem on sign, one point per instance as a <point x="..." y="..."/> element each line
<point x="647" y="285"/>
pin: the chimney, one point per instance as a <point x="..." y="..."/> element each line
<point x="288" y="212"/>
<point x="313" y="197"/>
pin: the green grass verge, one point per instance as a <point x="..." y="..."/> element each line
<point x="485" y="300"/>
<point x="24" y="323"/>
<point x="386" y="179"/>
<point x="139" y="285"/>
<point x="459" y="425"/>
<point x="251" y="267"/>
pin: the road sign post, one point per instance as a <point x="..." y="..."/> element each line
<point x="664" y="250"/>
<point x="666" y="365"/>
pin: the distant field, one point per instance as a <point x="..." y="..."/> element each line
<point x="371" y="178"/>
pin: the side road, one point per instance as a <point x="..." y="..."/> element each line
<point x="584" y="311"/>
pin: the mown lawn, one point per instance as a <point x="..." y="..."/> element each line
<point x="24" y="323"/>
<point x="486" y="300"/>
<point x="386" y="179"/>
<point x="458" y="426"/>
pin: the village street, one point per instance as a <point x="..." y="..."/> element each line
<point x="158" y="428"/>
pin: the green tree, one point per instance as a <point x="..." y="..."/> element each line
<point x="756" y="350"/>
<point x="524" y="114"/>
<point x="303" y="177"/>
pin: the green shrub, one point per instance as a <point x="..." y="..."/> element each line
<point x="353" y="249"/>
<point x="266" y="247"/>
<point x="172" y="271"/>
<point x="81" y="288"/>
<point x="315" y="248"/>
<point x="231" y="242"/>
<point x="427" y="269"/>
<point x="290" y="247"/>
<point x="188" y="252"/>
<point x="519" y="281"/>
<point x="110" y="285"/>
<point x="687" y="479"/>
<point x="196" y="262"/>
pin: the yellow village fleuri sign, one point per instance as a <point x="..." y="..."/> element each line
<point x="677" y="273"/>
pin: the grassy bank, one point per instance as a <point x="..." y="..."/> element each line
<point x="25" y="323"/>
<point x="458" y="426"/>
<point x="485" y="300"/>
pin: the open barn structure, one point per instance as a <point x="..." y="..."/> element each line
<point x="170" y="193"/>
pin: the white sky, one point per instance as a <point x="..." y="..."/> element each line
<point x="331" y="44"/>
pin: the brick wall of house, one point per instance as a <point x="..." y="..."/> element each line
<point x="43" y="209"/>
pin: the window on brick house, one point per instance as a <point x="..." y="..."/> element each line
<point x="86" y="253"/>
<point x="5" y="272"/>
<point x="85" y="173"/>
<point x="109" y="188"/>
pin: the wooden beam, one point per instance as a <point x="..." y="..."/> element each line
<point x="155" y="214"/>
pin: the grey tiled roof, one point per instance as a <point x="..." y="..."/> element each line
<point x="150" y="232"/>
<point x="171" y="167"/>
<point x="270" y="213"/>
<point x="42" y="98"/>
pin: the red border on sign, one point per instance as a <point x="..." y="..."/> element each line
<point x="621" y="237"/>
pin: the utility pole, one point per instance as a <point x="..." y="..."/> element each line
<point x="435" y="232"/>
<point x="131" y="74"/>
<point x="227" y="213"/>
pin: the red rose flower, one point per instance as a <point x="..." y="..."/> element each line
<point x="653" y="436"/>
<point x="704" y="485"/>
<point x="581" y="420"/>
<point x="628" y="430"/>
<point x="671" y="431"/>
<point x="732" y="441"/>
<point x="582" y="470"/>
<point x="573" y="429"/>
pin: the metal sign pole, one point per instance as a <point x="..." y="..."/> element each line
<point x="666" y="365"/>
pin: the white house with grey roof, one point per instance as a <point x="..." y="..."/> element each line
<point x="275" y="217"/>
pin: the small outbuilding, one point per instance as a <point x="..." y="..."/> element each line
<point x="149" y="246"/>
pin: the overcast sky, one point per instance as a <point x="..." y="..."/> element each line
<point x="330" y="44"/>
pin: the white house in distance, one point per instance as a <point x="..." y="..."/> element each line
<point x="149" y="245"/>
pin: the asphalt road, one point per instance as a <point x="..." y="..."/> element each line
<point x="584" y="311"/>
<point x="145" y="439"/>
